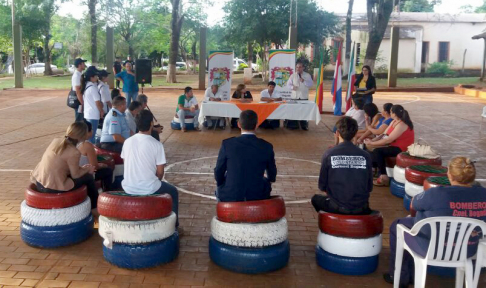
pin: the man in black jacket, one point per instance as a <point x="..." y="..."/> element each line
<point x="242" y="162"/>
<point x="346" y="175"/>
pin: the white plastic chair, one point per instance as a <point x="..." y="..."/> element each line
<point x="455" y="256"/>
<point x="480" y="261"/>
<point x="483" y="115"/>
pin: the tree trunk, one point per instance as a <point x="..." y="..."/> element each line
<point x="94" y="30"/>
<point x="379" y="12"/>
<point x="250" y="54"/>
<point x="176" y="25"/>
<point x="131" y="51"/>
<point x="348" y="36"/>
<point x="47" y="56"/>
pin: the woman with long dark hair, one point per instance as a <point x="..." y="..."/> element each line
<point x="378" y="128"/>
<point x="243" y="96"/>
<point x="397" y="138"/>
<point x="365" y="85"/>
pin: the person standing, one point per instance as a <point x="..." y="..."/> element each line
<point x="76" y="86"/>
<point x="117" y="68"/>
<point x="130" y="86"/>
<point x="300" y="82"/>
<point x="93" y="108"/>
<point x="104" y="89"/>
<point x="242" y="163"/>
<point x="365" y="85"/>
<point x="187" y="106"/>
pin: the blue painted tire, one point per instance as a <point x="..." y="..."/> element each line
<point x="346" y="265"/>
<point x="143" y="256"/>
<point x="57" y="236"/>
<point x="177" y="126"/>
<point x="396" y="188"/>
<point x="249" y="260"/>
<point x="406" y="202"/>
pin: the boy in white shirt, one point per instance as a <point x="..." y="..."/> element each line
<point x="357" y="113"/>
<point x="144" y="161"/>
<point x="104" y="89"/>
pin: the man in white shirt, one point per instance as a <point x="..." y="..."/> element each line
<point x="270" y="95"/>
<point x="76" y="86"/>
<point x="133" y="110"/>
<point x="144" y="161"/>
<point x="187" y="106"/>
<point x="213" y="94"/>
<point x="300" y="82"/>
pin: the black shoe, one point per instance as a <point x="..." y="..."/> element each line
<point x="389" y="279"/>
<point x="305" y="128"/>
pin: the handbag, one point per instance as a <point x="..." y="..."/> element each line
<point x="422" y="150"/>
<point x="72" y="99"/>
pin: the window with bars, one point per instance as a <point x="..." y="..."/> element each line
<point x="444" y="51"/>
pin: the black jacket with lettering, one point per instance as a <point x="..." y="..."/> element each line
<point x="346" y="175"/>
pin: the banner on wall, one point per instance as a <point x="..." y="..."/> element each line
<point x="220" y="70"/>
<point x="282" y="65"/>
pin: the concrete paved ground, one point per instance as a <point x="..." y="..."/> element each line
<point x="30" y="119"/>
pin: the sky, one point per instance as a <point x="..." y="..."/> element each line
<point x="336" y="6"/>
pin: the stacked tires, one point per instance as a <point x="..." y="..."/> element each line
<point x="176" y="123"/>
<point x="138" y="231"/>
<point x="114" y="161"/>
<point x="349" y="244"/>
<point x="433" y="182"/>
<point x="404" y="160"/>
<point x="390" y="162"/>
<point x="250" y="237"/>
<point x="51" y="220"/>
<point x="415" y="177"/>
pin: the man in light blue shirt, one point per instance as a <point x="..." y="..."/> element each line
<point x="115" y="127"/>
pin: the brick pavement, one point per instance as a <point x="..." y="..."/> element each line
<point x="448" y="122"/>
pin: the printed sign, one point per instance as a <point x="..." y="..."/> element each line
<point x="282" y="66"/>
<point x="220" y="68"/>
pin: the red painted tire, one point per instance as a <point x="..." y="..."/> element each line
<point x="261" y="211"/>
<point x="40" y="200"/>
<point x="417" y="174"/>
<point x="114" y="155"/>
<point x="432" y="182"/>
<point x="133" y="207"/>
<point x="106" y="159"/>
<point x="391" y="162"/>
<point x="404" y="160"/>
<point x="351" y="226"/>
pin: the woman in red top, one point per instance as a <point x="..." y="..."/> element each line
<point x="398" y="137"/>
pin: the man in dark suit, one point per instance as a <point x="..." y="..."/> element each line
<point x="242" y="162"/>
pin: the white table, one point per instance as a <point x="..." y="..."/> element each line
<point x="302" y="110"/>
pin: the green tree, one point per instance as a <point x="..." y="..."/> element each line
<point x="418" y="5"/>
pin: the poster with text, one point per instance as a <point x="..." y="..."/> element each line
<point x="220" y="70"/>
<point x="282" y="65"/>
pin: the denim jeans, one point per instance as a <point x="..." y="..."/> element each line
<point x="182" y="117"/>
<point x="166" y="188"/>
<point x="94" y="127"/>
<point x="131" y="96"/>
<point x="78" y="117"/>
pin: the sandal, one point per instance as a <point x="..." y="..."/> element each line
<point x="380" y="183"/>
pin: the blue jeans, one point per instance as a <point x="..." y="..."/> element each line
<point x="182" y="117"/>
<point x="94" y="126"/>
<point x="131" y="96"/>
<point x="166" y="188"/>
<point x="368" y="98"/>
<point x="78" y="117"/>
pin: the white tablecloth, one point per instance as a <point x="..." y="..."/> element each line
<point x="303" y="110"/>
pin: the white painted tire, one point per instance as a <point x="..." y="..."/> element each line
<point x="186" y="121"/>
<point x="136" y="232"/>
<point x="350" y="247"/>
<point x="118" y="171"/>
<point x="248" y="234"/>
<point x="55" y="217"/>
<point x="412" y="189"/>
<point x="389" y="172"/>
<point x="399" y="174"/>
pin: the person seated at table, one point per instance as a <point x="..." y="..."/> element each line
<point x="133" y="110"/>
<point x="144" y="161"/>
<point x="187" y="106"/>
<point x="115" y="127"/>
<point x="58" y="171"/>
<point x="244" y="96"/>
<point x="372" y="117"/>
<point x="213" y="94"/>
<point x="346" y="175"/>
<point x="242" y="162"/>
<point x="357" y="113"/>
<point x="157" y="130"/>
<point x="270" y="95"/>
<point x="381" y="126"/>
<point x="461" y="198"/>
<point x="400" y="135"/>
<point x="88" y="156"/>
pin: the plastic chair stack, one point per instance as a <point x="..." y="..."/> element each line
<point x="250" y="237"/>
<point x="138" y="231"/>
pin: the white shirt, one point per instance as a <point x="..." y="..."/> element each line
<point x="209" y="94"/>
<point x="265" y="94"/>
<point x="357" y="115"/>
<point x="141" y="154"/>
<point x="300" y="90"/>
<point x="105" y="95"/>
<point x="131" y="121"/>
<point x="90" y="96"/>
<point x="189" y="103"/>
<point x="76" y="79"/>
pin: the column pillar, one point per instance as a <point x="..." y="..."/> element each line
<point x="393" y="65"/>
<point x="110" y="56"/>
<point x="17" y="50"/>
<point x="202" y="58"/>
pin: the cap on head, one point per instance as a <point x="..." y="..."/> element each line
<point x="78" y="61"/>
<point x="104" y="73"/>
